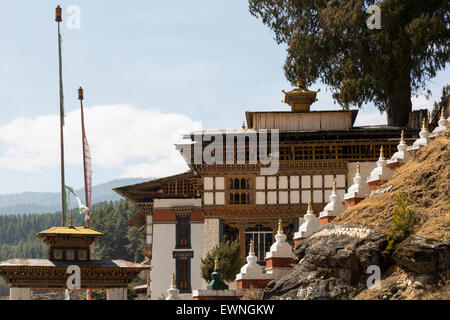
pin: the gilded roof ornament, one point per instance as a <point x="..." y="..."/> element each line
<point x="216" y="263"/>
<point x="402" y="140"/>
<point x="173" y="282"/>
<point x="381" y="152"/>
<point x="334" y="185"/>
<point x="309" y="206"/>
<point x="252" y="247"/>
<point x="358" y="169"/>
<point x="280" y="226"/>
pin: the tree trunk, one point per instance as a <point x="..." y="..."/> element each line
<point x="399" y="107"/>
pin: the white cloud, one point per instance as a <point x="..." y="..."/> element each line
<point x="120" y="136"/>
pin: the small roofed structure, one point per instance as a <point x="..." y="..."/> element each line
<point x="300" y="99"/>
<point x="68" y="250"/>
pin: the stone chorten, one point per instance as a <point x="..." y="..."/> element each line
<point x="173" y="292"/>
<point x="252" y="274"/>
<point x="358" y="191"/>
<point x="310" y="226"/>
<point x="424" y="138"/>
<point x="333" y="208"/>
<point x="442" y="125"/>
<point x="381" y="174"/>
<point x="401" y="156"/>
<point x="280" y="257"/>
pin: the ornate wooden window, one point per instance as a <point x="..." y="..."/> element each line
<point x="183" y="270"/>
<point x="240" y="190"/>
<point x="183" y="231"/>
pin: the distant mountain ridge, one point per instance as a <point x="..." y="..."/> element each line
<point x="46" y="202"/>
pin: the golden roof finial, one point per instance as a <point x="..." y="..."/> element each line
<point x="299" y="83"/>
<point x="280" y="225"/>
<point x="216" y="263"/>
<point x="70" y="221"/>
<point x="243" y="125"/>
<point x="309" y="206"/>
<point x="80" y="94"/>
<point x="334" y="185"/>
<point x="173" y="282"/>
<point x="252" y="247"/>
<point x="358" y="169"/>
<point x="58" y="15"/>
<point x="381" y="152"/>
<point x="402" y="140"/>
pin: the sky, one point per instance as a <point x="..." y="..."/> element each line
<point x="151" y="70"/>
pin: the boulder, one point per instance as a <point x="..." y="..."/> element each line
<point x="423" y="255"/>
<point x="332" y="264"/>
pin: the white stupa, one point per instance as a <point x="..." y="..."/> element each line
<point x="310" y="226"/>
<point x="423" y="138"/>
<point x="381" y="172"/>
<point x="280" y="248"/>
<point x="173" y="292"/>
<point x="442" y="125"/>
<point x="333" y="208"/>
<point x="252" y="270"/>
<point x="359" y="189"/>
<point x="401" y="156"/>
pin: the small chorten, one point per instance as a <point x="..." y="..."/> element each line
<point x="216" y="283"/>
<point x="173" y="292"/>
<point x="300" y="99"/>
<point x="380" y="174"/>
<point x="442" y="125"/>
<point x="423" y="140"/>
<point x="310" y="226"/>
<point x="401" y="156"/>
<point x="280" y="257"/>
<point x="333" y="208"/>
<point x="252" y="274"/>
<point x="358" y="191"/>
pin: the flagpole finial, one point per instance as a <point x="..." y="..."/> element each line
<point x="58" y="14"/>
<point x="80" y="94"/>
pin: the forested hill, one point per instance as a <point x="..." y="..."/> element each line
<point x="18" y="234"/>
<point x="43" y="202"/>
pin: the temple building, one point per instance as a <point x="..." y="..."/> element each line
<point x="269" y="169"/>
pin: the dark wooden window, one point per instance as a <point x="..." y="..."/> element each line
<point x="183" y="232"/>
<point x="183" y="270"/>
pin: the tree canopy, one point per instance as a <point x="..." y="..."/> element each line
<point x="331" y="41"/>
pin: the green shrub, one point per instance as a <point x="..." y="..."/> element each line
<point x="403" y="223"/>
<point x="230" y="261"/>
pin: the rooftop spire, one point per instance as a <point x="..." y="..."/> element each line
<point x="381" y="152"/>
<point x="243" y="125"/>
<point x="173" y="282"/>
<point x="424" y="125"/>
<point x="216" y="263"/>
<point x="334" y="185"/>
<point x="402" y="137"/>
<point x="252" y="247"/>
<point x="358" y="169"/>
<point x="309" y="206"/>
<point x="280" y="226"/>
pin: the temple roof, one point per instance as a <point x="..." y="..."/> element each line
<point x="81" y="231"/>
<point x="82" y="264"/>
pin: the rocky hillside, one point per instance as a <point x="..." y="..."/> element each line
<point x="333" y="263"/>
